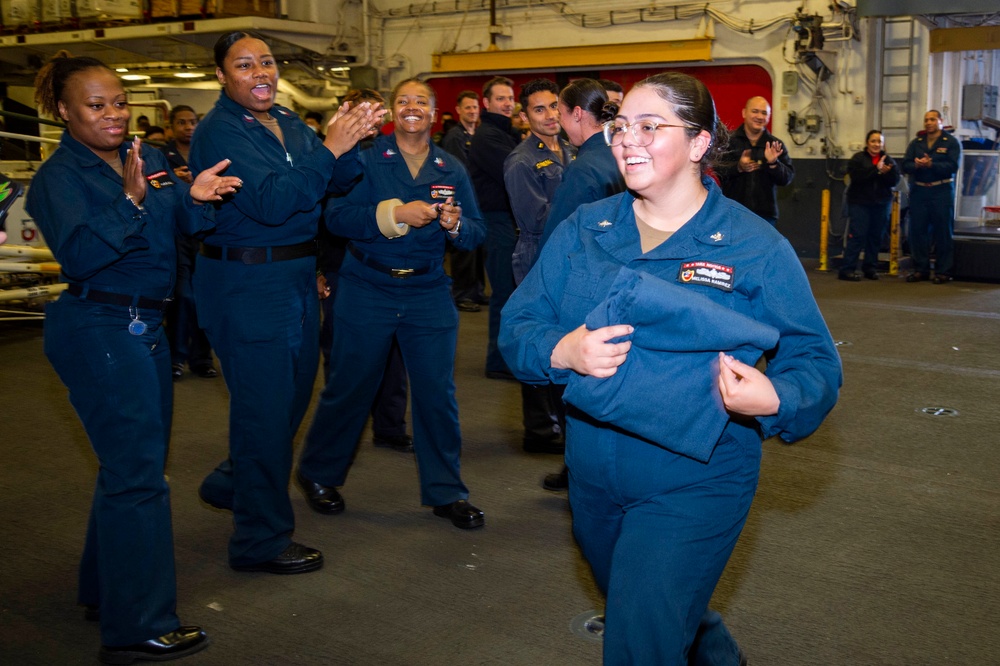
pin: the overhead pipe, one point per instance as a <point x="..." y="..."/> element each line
<point x="494" y="28"/>
<point x="366" y="32"/>
<point x="307" y="101"/>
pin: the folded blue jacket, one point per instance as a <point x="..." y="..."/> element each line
<point x="667" y="391"/>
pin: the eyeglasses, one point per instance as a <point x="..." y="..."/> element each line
<point x="642" y="131"/>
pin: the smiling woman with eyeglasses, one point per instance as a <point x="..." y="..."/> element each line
<point x="653" y="307"/>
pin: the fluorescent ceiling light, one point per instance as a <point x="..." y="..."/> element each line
<point x="189" y="75"/>
<point x="135" y="77"/>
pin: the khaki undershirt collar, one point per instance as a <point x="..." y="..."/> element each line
<point x="650" y="238"/>
<point x="272" y="124"/>
<point x="415" y="161"/>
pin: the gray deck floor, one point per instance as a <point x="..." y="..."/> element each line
<point x="874" y="542"/>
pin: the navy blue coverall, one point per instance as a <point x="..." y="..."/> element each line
<point x="263" y="318"/>
<point x="658" y="526"/>
<point x="592" y="176"/>
<point x="373" y="307"/>
<point x="532" y="174"/>
<point x="389" y="409"/>
<point x="932" y="202"/>
<point x="119" y="383"/>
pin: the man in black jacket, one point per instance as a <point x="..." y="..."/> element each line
<point x="468" y="276"/>
<point x="756" y="163"/>
<point x="492" y="142"/>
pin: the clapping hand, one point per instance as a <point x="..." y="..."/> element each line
<point x="772" y="151"/>
<point x="351" y="124"/>
<point x="210" y="186"/>
<point x="747" y="163"/>
<point x="133" y="182"/>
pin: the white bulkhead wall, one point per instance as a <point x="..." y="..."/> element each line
<point x="403" y="35"/>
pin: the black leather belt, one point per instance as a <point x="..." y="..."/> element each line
<point x="934" y="183"/>
<point x="400" y="273"/>
<point x="260" y="255"/>
<point x="111" y="298"/>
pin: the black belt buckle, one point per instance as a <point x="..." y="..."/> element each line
<point x="401" y="272"/>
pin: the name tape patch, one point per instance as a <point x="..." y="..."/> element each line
<point x="707" y="273"/>
<point x="442" y="191"/>
<point x="160" y="179"/>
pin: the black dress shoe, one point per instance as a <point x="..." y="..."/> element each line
<point x="214" y="502"/>
<point x="468" y="306"/>
<point x="295" y="559"/>
<point x="849" y="277"/>
<point x="556" y="482"/>
<point x="941" y="279"/>
<point x="322" y="499"/>
<point x="461" y="514"/>
<point x="916" y="276"/>
<point x="871" y="275"/>
<point x="205" y="371"/>
<point x="401" y="443"/>
<point x="178" y="643"/>
<point x="535" y="444"/>
<point x="177" y="371"/>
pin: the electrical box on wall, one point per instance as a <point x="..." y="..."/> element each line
<point x="979" y="101"/>
<point x="789" y="83"/>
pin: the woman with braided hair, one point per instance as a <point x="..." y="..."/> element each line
<point x="109" y="212"/>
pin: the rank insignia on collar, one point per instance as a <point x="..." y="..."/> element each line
<point x="282" y="112"/>
<point x="438" y="161"/>
<point x="604" y="223"/>
<point x="389" y="152"/>
<point x="717" y="236"/>
<point x="248" y="118"/>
